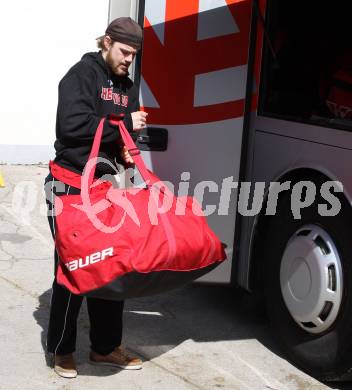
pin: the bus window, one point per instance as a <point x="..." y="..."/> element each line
<point x="310" y="80"/>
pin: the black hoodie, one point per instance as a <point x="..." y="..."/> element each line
<point x="88" y="92"/>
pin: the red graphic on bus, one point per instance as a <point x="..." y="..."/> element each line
<point x="169" y="69"/>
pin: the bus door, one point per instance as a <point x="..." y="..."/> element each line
<point x="193" y="84"/>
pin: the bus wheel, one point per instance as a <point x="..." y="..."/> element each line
<point x="308" y="288"/>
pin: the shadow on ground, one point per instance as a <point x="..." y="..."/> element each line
<point x="154" y="325"/>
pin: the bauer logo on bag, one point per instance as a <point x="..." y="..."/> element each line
<point x="90" y="259"/>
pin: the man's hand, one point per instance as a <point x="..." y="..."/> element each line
<point x="139" y="119"/>
<point x="125" y="155"/>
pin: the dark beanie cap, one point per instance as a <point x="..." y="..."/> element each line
<point x="125" y="30"/>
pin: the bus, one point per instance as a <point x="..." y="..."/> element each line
<point x="256" y="96"/>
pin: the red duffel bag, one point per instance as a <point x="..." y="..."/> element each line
<point x="117" y="243"/>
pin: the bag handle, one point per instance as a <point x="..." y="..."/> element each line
<point x="134" y="152"/>
<point x="129" y="143"/>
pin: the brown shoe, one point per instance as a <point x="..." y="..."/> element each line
<point x="117" y="358"/>
<point x="65" y="366"/>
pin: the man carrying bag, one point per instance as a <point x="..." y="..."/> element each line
<point x="94" y="88"/>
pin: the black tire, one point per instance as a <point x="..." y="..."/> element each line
<point x="326" y="356"/>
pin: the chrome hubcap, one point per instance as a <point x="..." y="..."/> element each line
<point x="311" y="279"/>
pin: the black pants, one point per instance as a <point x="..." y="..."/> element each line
<point x="105" y="316"/>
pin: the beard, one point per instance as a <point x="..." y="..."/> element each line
<point x="118" y="68"/>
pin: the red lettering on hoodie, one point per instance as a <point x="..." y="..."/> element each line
<point x="117" y="98"/>
<point x="106" y="93"/>
<point x="124" y="100"/>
